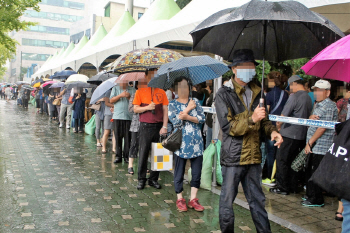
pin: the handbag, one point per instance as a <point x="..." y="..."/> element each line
<point x="333" y="173"/>
<point x="174" y="140"/>
<point x="299" y="162"/>
<point x="70" y="100"/>
<point x="56" y="102"/>
<point x="90" y="126"/>
<point x="96" y="106"/>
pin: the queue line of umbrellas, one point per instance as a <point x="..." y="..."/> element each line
<point x="274" y="31"/>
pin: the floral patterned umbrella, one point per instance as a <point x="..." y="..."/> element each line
<point x="142" y="59"/>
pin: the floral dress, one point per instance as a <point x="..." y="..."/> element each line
<point x="192" y="141"/>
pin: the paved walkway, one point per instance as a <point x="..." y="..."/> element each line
<point x="53" y="180"/>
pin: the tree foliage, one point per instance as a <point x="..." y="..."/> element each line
<point x="182" y="3"/>
<point x="11" y="12"/>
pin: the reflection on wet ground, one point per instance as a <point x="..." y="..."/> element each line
<point x="56" y="181"/>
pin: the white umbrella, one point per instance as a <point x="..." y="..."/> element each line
<point x="77" y="78"/>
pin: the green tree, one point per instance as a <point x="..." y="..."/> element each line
<point x="10" y="19"/>
<point x="11" y="12"/>
<point x="182" y="3"/>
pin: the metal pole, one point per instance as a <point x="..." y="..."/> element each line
<point x="263" y="71"/>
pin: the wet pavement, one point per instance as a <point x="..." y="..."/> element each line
<point x="53" y="180"/>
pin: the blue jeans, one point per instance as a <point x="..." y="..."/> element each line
<point x="208" y="137"/>
<point x="346" y="216"/>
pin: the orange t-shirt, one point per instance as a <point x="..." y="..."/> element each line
<point x="143" y="97"/>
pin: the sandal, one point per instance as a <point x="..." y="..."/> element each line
<point x="131" y="170"/>
<point x="338" y="218"/>
<point x="104" y="152"/>
<point x="99" y="144"/>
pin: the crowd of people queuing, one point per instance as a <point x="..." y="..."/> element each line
<point x="137" y="115"/>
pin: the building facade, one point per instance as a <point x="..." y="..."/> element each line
<point x="50" y="35"/>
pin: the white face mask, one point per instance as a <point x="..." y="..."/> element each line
<point x="246" y="75"/>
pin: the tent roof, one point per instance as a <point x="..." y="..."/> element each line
<point x="68" y="50"/>
<point x="125" y="22"/>
<point x="155" y="27"/>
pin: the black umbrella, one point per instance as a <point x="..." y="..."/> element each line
<point x="100" y="77"/>
<point x="27" y="87"/>
<point x="64" y="74"/>
<point x="275" y="31"/>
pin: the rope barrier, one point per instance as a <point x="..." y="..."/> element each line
<point x="291" y="120"/>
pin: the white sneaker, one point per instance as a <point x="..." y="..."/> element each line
<point x="61" y="126"/>
<point x="68" y="127"/>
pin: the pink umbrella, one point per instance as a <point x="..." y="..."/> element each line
<point x="331" y="63"/>
<point x="130" y="77"/>
<point x="48" y="83"/>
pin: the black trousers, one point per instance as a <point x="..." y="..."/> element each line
<point x="196" y="169"/>
<point x="25" y="103"/>
<point x="148" y="133"/>
<point x="250" y="177"/>
<point x="313" y="192"/>
<point x="122" y="130"/>
<point x="286" y="177"/>
<point x="79" y="123"/>
<point x="134" y="146"/>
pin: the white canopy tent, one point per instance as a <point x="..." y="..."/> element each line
<point x="158" y="32"/>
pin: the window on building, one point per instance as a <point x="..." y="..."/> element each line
<point x="62" y="3"/>
<point x="51" y="30"/>
<point x="108" y="10"/>
<point x="35" y="56"/>
<point x="140" y="15"/>
<point x="44" y="43"/>
<point x="52" y="16"/>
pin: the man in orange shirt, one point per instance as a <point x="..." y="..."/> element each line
<point x="152" y="105"/>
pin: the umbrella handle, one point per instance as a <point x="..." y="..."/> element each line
<point x="261" y="103"/>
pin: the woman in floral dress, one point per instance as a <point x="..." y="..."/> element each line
<point x="187" y="113"/>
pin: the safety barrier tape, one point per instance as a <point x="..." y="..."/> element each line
<point x="291" y="120"/>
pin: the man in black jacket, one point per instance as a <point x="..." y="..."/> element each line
<point x="242" y="120"/>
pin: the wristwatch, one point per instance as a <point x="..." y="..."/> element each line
<point x="164" y="127"/>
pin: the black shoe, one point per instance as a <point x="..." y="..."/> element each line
<point x="310" y="204"/>
<point x="304" y="198"/>
<point x="126" y="160"/>
<point x="131" y="171"/>
<point x="339" y="218"/>
<point x="154" y="184"/>
<point x="141" y="184"/>
<point x="118" y="160"/>
<point x="278" y="191"/>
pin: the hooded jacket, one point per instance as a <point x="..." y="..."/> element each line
<point x="241" y="136"/>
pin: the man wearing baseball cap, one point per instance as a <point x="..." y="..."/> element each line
<point x="318" y="140"/>
<point x="299" y="105"/>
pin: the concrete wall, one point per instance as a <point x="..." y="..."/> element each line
<point x="338" y="14"/>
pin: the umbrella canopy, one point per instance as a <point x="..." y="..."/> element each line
<point x="79" y="85"/>
<point x="57" y="85"/>
<point x="22" y="82"/>
<point x="142" y="59"/>
<point x="199" y="69"/>
<point x="27" y="87"/>
<point x="64" y="74"/>
<point x="101" y="77"/>
<point x="77" y="78"/>
<point x="288" y="30"/>
<point x="101" y="90"/>
<point x="332" y="63"/>
<point x="37" y="84"/>
<point x="48" y="83"/>
<point x="37" y="81"/>
<point x="130" y="77"/>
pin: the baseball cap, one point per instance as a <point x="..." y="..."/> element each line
<point x="293" y="79"/>
<point x="322" y="84"/>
